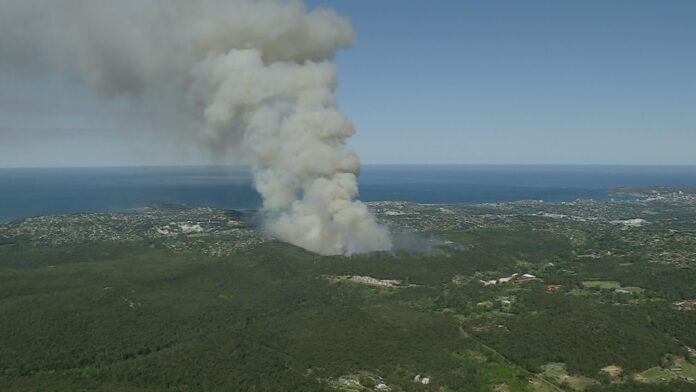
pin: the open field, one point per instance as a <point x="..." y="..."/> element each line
<point x="601" y="284"/>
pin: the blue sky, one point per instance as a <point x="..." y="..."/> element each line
<point x="521" y="81"/>
<point x="569" y="82"/>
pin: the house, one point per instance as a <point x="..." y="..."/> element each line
<point x="348" y="380"/>
<point x="552" y="288"/>
<point x="686" y="304"/>
<point x="509" y="278"/>
<point x="512" y="278"/>
<point x="506" y="303"/>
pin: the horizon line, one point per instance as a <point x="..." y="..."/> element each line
<point x="682" y="165"/>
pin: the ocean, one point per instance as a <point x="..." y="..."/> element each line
<point x="33" y="192"/>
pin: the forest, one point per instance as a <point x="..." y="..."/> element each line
<point x="143" y="315"/>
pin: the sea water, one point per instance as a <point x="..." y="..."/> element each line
<point x="33" y="192"/>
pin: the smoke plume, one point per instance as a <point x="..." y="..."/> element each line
<point x="254" y="78"/>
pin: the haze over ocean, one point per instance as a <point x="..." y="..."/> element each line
<point x="38" y="191"/>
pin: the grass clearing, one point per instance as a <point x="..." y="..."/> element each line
<point x="601" y="284"/>
<point x="679" y="369"/>
<point x="688" y="369"/>
<point x="557" y="372"/>
<point x="655" y="375"/>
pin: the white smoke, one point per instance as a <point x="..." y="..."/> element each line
<point x="257" y="81"/>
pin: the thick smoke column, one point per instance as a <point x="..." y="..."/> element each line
<point x="256" y="77"/>
<point x="284" y="115"/>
